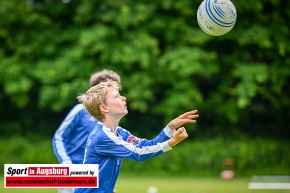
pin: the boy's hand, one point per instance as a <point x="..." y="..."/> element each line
<point x="178" y="136"/>
<point x="187" y="117"/>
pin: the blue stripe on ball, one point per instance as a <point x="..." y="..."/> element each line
<point x="219" y="11"/>
<point x="214" y="19"/>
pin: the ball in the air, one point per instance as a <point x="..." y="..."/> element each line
<point x="216" y="17"/>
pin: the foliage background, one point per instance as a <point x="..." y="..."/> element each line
<point x="238" y="81"/>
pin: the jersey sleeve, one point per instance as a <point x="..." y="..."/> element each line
<point x="108" y="144"/>
<point x="163" y="136"/>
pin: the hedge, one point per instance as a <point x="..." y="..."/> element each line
<point x="200" y="157"/>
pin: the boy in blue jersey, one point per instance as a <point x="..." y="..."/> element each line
<point x="108" y="143"/>
<point x="70" y="138"/>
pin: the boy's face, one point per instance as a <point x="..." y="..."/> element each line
<point x="116" y="103"/>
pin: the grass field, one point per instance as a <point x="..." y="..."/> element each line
<point x="168" y="185"/>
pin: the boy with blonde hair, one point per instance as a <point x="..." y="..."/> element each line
<point x="70" y="138"/>
<point x="108" y="143"/>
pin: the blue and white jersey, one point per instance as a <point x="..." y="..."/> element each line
<point x="69" y="140"/>
<point x="108" y="149"/>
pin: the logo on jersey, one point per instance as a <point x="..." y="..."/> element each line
<point x="133" y="139"/>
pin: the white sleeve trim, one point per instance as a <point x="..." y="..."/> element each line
<point x="169" y="132"/>
<point x="165" y="146"/>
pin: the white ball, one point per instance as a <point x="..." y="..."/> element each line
<point x="152" y="189"/>
<point x="216" y="17"/>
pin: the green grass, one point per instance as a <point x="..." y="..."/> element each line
<point x="168" y="185"/>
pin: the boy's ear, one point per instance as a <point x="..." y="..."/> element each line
<point x="104" y="108"/>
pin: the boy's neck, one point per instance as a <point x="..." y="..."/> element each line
<point x="111" y="125"/>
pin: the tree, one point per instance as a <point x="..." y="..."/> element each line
<point x="168" y="64"/>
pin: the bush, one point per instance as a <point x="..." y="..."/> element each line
<point x="19" y="150"/>
<point x="203" y="157"/>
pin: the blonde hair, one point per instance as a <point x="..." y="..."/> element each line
<point x="104" y="76"/>
<point x="96" y="96"/>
